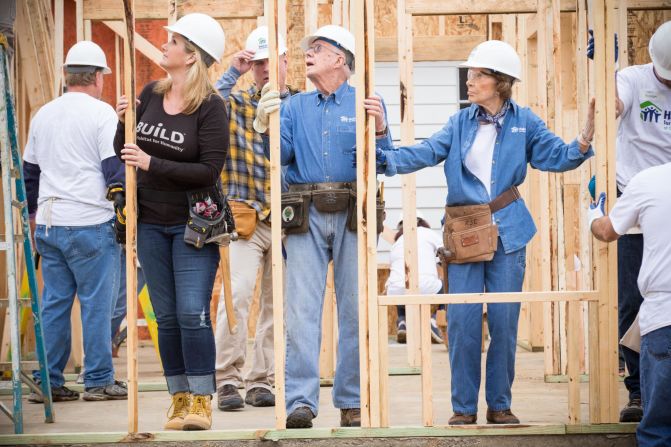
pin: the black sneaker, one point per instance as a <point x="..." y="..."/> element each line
<point x="260" y="397"/>
<point x="632" y="412"/>
<point x="401" y="332"/>
<point x="436" y="338"/>
<point x="229" y="399"/>
<point x="300" y="418"/>
<point x="58" y="394"/>
<point x="113" y="391"/>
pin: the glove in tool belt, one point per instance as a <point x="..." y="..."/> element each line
<point x="117" y="194"/>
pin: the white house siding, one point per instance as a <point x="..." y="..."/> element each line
<point x="436" y="99"/>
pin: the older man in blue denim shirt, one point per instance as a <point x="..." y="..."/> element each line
<point x="318" y="133"/>
<point x="486" y="149"/>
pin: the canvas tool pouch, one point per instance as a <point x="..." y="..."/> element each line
<point x="245" y="217"/>
<point x="201" y="230"/>
<point x="470" y="235"/>
<point x="295" y="209"/>
<point x="352" y="220"/>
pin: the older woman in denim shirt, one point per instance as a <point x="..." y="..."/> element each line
<point x="486" y="149"/>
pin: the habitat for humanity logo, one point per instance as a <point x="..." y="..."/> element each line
<point x="650" y="112"/>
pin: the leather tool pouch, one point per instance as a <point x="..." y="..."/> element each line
<point x="330" y="200"/>
<point x="470" y="235"/>
<point x="245" y="217"/>
<point x="295" y="209"/>
<point x="352" y="221"/>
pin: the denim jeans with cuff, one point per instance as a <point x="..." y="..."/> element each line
<point x="180" y="278"/>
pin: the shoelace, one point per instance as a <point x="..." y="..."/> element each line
<point x="179" y="405"/>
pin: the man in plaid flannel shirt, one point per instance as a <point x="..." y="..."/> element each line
<point x="246" y="179"/>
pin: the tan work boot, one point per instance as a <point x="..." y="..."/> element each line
<point x="501" y="417"/>
<point x="200" y="413"/>
<point x="178" y="411"/>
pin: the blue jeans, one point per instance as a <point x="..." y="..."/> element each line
<point x="504" y="273"/>
<point x="119" y="311"/>
<point x="180" y="278"/>
<point x="307" y="260"/>
<point x="83" y="261"/>
<point x="629" y="299"/>
<point x="655" y="427"/>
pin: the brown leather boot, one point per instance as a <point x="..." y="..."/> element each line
<point x="350" y="417"/>
<point x="463" y="419"/>
<point x="501" y="417"/>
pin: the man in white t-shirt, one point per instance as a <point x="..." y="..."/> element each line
<point x="643" y="140"/>
<point x="646" y="203"/>
<point x="69" y="164"/>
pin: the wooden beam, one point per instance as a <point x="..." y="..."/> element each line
<point x="472" y="298"/>
<point x="58" y="46"/>
<point x="429" y="48"/>
<point x="362" y="18"/>
<point x="147" y="9"/>
<point x="275" y="11"/>
<point x="141" y="44"/>
<point x="131" y="219"/>
<point x="464" y="7"/>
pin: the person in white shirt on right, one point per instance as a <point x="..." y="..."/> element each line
<point x="643" y="140"/>
<point x="647" y="203"/>
<point x="428" y="243"/>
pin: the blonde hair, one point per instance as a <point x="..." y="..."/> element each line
<point x="197" y="87"/>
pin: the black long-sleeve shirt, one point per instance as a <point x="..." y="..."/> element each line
<point x="187" y="152"/>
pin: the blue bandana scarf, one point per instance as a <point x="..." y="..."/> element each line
<point x="486" y="118"/>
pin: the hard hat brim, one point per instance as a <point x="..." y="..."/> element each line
<point x="85" y="69"/>
<point x="472" y="65"/>
<point x="171" y="29"/>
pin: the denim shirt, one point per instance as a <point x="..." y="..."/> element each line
<point x="523" y="139"/>
<point x="318" y="136"/>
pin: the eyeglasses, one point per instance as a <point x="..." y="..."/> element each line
<point x="318" y="47"/>
<point x="477" y="75"/>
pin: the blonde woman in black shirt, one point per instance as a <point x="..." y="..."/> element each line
<point x="182" y="142"/>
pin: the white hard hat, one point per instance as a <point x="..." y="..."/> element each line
<point x="342" y="37"/>
<point x="258" y="42"/>
<point x="497" y="56"/>
<point x="203" y="31"/>
<point x="83" y="55"/>
<point x="660" y="50"/>
<point x="418" y="213"/>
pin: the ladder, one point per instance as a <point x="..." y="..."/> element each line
<point x="10" y="163"/>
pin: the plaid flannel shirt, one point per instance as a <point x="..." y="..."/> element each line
<point x="246" y="174"/>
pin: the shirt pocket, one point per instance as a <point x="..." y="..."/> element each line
<point x="346" y="137"/>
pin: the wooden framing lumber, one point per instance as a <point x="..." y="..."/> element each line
<point x="275" y="11"/>
<point x="58" y="46"/>
<point x="362" y="20"/>
<point x="146" y="9"/>
<point x="463" y="7"/>
<point x="131" y="219"/>
<point x="471" y="298"/>
<point x="141" y="44"/>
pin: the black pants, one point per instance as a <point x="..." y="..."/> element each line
<point x="629" y="299"/>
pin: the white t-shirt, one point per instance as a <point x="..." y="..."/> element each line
<point x="647" y="202"/>
<point x="644" y="134"/>
<point x="479" y="157"/>
<point x="69" y="137"/>
<point x="428" y="243"/>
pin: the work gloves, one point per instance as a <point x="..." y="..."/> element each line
<point x="596" y="210"/>
<point x="380" y="160"/>
<point x="269" y="103"/>
<point x="590" y="46"/>
<point x="117" y="194"/>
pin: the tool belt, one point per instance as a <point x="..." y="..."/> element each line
<point x="245" y="218"/>
<point x="327" y="198"/>
<point x="207" y="227"/>
<point x="469" y="234"/>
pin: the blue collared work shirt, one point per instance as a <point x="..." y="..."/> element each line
<point x="523" y="139"/>
<point x="319" y="136"/>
